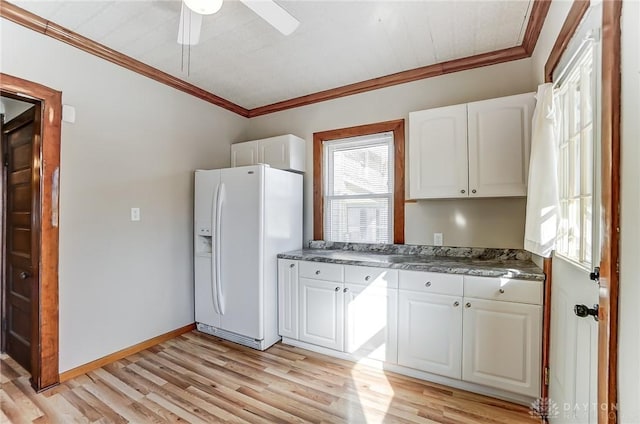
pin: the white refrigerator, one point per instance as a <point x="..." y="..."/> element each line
<point x="244" y="217"/>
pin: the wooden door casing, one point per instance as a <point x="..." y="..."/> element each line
<point x="45" y="370"/>
<point x="21" y="140"/>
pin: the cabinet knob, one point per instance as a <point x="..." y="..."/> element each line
<point x="367" y="278"/>
<point x="23" y="275"/>
<point x="427" y="284"/>
<point x="337" y="289"/>
<point x="456" y="304"/>
<point x="468" y="305"/>
<point x="318" y="272"/>
<point x="345" y="290"/>
<point x="474" y="191"/>
<point x="463" y="191"/>
<point x="501" y="291"/>
<point x="292" y="266"/>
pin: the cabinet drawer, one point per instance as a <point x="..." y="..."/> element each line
<point x="431" y="282"/>
<point x="321" y="271"/>
<point x="521" y="291"/>
<point x="379" y="277"/>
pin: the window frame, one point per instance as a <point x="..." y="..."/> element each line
<point x="397" y="128"/>
<point x="586" y="257"/>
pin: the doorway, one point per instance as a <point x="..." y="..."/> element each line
<point x="585" y="69"/>
<point x="20" y="125"/>
<point x="31" y="150"/>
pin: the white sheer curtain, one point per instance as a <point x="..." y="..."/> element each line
<point x="543" y="208"/>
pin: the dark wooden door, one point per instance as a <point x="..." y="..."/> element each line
<point x="21" y="142"/>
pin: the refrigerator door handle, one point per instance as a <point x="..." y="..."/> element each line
<point x="214" y="283"/>
<point x="219" y="208"/>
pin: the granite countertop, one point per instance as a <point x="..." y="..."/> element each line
<point x="509" y="263"/>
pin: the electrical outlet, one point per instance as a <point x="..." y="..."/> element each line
<point x="135" y="214"/>
<point x="437" y="239"/>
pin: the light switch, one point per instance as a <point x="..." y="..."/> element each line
<point x="68" y="114"/>
<point x="437" y="239"/>
<point x="135" y="214"/>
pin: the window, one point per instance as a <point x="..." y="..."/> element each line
<point x="359" y="189"/>
<point x="575" y="101"/>
<point x="359" y="184"/>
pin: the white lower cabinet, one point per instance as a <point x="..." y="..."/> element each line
<point x="370" y="322"/>
<point x="430" y="333"/>
<point x="288" y="298"/>
<point x="501" y="345"/>
<point x="322" y="313"/>
<point x="480" y="330"/>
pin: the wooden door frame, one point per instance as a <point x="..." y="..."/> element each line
<point x="45" y="371"/>
<point x="610" y="210"/>
<point x="610" y="200"/>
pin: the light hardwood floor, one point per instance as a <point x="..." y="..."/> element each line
<point x="197" y="378"/>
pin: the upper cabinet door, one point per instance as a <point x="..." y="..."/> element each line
<point x="499" y="143"/>
<point x="438" y="153"/>
<point x="244" y="154"/>
<point x="282" y="152"/>
<point x="274" y="152"/>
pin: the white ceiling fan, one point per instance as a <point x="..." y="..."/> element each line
<point x="193" y="10"/>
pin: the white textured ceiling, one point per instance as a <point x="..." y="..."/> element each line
<point x="243" y="59"/>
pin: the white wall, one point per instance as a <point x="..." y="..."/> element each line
<point x="490" y="223"/>
<point x="135" y="143"/>
<point x="629" y="330"/>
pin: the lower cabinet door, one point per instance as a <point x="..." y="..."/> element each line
<point x="288" y="298"/>
<point x="502" y="343"/>
<point x="430" y="332"/>
<point x="321" y="313"/>
<point x="371" y="322"/>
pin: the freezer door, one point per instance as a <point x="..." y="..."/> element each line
<point x="241" y="232"/>
<point x="206" y="184"/>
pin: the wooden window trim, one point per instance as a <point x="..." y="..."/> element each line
<point x="44" y="372"/>
<point x="397" y="127"/>
<point x="571" y="23"/>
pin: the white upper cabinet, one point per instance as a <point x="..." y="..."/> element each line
<point x="478" y="149"/>
<point x="244" y="154"/>
<point x="283" y="152"/>
<point x="499" y="145"/>
<point x="438" y="152"/>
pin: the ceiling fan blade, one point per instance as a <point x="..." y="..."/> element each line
<point x="275" y="15"/>
<point x="189" y="26"/>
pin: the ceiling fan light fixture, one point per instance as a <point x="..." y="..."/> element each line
<point x="204" y="7"/>
<point x="274" y="14"/>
